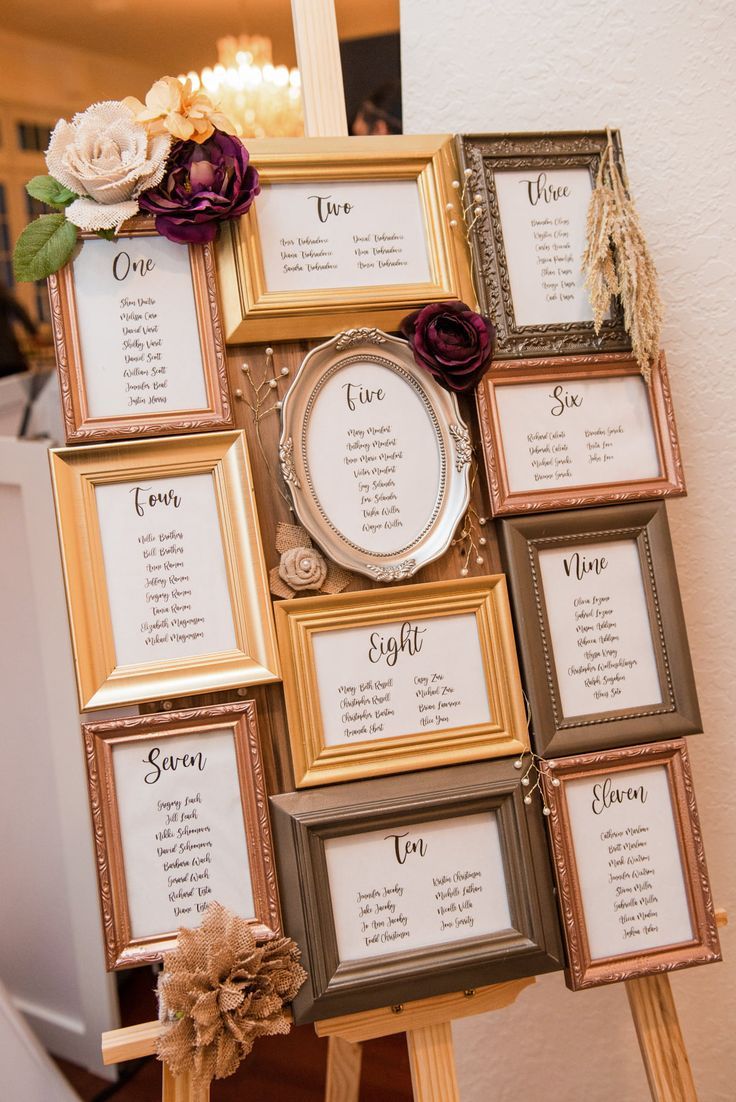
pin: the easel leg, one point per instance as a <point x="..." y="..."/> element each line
<point x="343" y="1070"/>
<point x="660" y="1039"/>
<point x="432" y="1061"/>
<point x="179" y="1088"/>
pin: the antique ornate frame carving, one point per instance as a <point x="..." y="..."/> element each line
<point x="522" y="539"/>
<point x="83" y="428"/>
<point x="504" y="501"/>
<point x="253" y="313"/>
<point x="297" y="623"/>
<point x="583" y="971"/>
<point x="304" y="821"/>
<point x="122" y="950"/>
<point x="101" y="681"/>
<point x="486" y="154"/>
<point x="450" y="436"/>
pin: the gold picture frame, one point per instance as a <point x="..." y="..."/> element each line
<point x="299" y="622"/>
<point x="83" y="427"/>
<point x="122" y="948"/>
<point x="252" y="312"/>
<point x="103" y="678"/>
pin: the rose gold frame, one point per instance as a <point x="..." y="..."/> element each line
<point x="79" y="425"/>
<point x="100" y="739"/>
<point x="504" y="501"/>
<point x="582" y="971"/>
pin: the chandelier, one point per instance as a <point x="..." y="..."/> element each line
<point x="262" y="100"/>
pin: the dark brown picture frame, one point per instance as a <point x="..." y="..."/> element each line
<point x="304" y="820"/>
<point x="565" y="370"/>
<point x="121" y="949"/>
<point x="704" y="948"/>
<point x="79" y="425"/>
<point x="486" y="154"/>
<point x="553" y="734"/>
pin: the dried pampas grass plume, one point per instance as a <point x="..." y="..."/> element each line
<point x="617" y="261"/>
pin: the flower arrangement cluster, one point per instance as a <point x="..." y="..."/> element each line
<point x="176" y="156"/>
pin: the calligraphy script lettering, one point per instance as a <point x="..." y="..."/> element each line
<point x="605" y="795"/>
<point x="539" y="189"/>
<point x="326" y="208"/>
<point x="391" y="646"/>
<point x="403" y="849"/>
<point x="122" y="266"/>
<point x="357" y="395"/>
<point x="170" y="763"/>
<point x="578" y="565"/>
<point x="564" y="400"/>
<point x="169" y="498"/>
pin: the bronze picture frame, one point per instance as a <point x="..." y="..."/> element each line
<point x="645" y="524"/>
<point x="703" y="947"/>
<point x="484" y="155"/>
<point x="305" y="821"/>
<point x="560" y="374"/>
<point x="80" y="425"/>
<point x="122" y="949"/>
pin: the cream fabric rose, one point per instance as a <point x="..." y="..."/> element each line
<point x="108" y="159"/>
<point x="303" y="568"/>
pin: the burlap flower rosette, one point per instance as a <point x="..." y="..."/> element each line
<point x="302" y="567"/>
<point x="220" y="990"/>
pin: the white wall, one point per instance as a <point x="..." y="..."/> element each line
<point x="660" y="71"/>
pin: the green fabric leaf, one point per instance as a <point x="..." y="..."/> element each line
<point x="43" y="247"/>
<point x="50" y="191"/>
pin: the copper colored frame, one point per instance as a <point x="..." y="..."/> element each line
<point x="80" y="427"/>
<point x="484" y="155"/>
<point x="121" y="949"/>
<point x="553" y="733"/>
<point x="504" y="501"/>
<point x="704" y="947"/>
<point x="303" y="821"/>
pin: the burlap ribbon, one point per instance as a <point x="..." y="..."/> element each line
<point x="303" y="568"/>
<point x="220" y="990"/>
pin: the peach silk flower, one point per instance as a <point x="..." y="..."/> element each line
<point x="175" y="108"/>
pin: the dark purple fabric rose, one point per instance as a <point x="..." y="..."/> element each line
<point x="452" y="342"/>
<point x="205" y="184"/>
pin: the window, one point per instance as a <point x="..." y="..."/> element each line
<point x="33" y="137"/>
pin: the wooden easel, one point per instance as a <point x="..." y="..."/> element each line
<point x="426" y="1022"/>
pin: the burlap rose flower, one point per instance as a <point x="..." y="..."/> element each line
<point x="107" y="159"/>
<point x="220" y="989"/>
<point x="303" y="568"/>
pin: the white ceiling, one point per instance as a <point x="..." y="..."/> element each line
<point x="176" y="35"/>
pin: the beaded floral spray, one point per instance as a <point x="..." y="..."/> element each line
<point x="175" y="156"/>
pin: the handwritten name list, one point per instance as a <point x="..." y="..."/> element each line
<point x="374" y="457"/>
<point x="342" y="234"/>
<point x="543" y="217"/>
<point x="415" y="886"/>
<point x="181" y="822"/>
<point x="165" y="568"/>
<point x="599" y="624"/>
<point x="138" y="327"/>
<point x="579" y="433"/>
<point x="401" y="678"/>
<point x="628" y="861"/>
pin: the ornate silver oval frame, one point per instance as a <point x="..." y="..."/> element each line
<point x="449" y="433"/>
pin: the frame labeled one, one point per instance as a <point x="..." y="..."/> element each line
<point x="630" y="865"/>
<point x="399" y="679"/>
<point x="533" y="192"/>
<point x="440" y="886"/>
<point x="577" y="430"/>
<point x="166" y="586"/>
<point x="138" y="340"/>
<point x="180" y="819"/>
<point x="600" y="627"/>
<point x="345" y="232"/>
